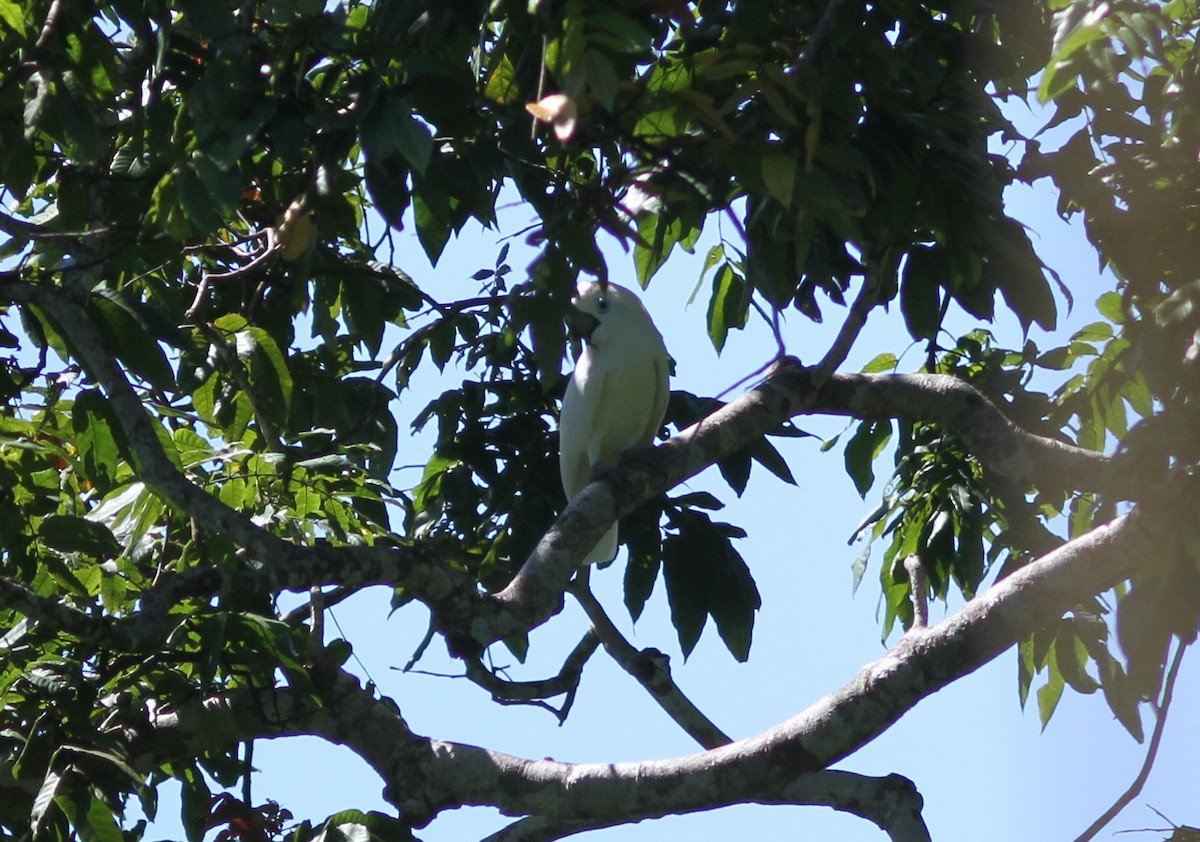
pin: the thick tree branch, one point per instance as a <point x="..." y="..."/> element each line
<point x="535" y="593"/>
<point x="892" y="803"/>
<point x="426" y="776"/>
<point x="18" y="597"/>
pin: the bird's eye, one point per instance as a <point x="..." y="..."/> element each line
<point x="602" y="304"/>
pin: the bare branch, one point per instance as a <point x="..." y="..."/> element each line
<point x="892" y="803"/>
<point x="652" y="670"/>
<point x="856" y="319"/>
<point x="1151" y="752"/>
<point x="426" y="776"/>
<point x="523" y="692"/>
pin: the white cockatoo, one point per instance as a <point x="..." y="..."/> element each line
<point x="618" y="392"/>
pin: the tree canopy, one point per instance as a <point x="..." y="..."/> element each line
<point x="209" y="331"/>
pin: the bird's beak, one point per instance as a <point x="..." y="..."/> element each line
<point x="581" y="324"/>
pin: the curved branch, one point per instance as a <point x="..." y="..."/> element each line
<point x="1151" y="753"/>
<point x="425" y="776"/>
<point x="892" y="803"/>
<point x="16" y="596"/>
<point x="652" y="670"/>
<point x="528" y="692"/>
<point x="789" y="389"/>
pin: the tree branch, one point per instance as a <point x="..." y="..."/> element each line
<point x="527" y="692"/>
<point x="425" y="776"/>
<point x="856" y="319"/>
<point x="16" y="596"/>
<point x="918" y="593"/>
<point x="470" y="620"/>
<point x="535" y="593"/>
<point x="1151" y="753"/>
<point x="652" y="670"/>
<point x="892" y="803"/>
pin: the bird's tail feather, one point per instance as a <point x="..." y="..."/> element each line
<point x="606" y="550"/>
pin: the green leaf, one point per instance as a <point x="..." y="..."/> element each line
<point x="196" y="799"/>
<point x="919" y="292"/>
<point x="640" y="531"/>
<point x="1049" y="694"/>
<point x="1111" y="307"/>
<point x="779" y="176"/>
<point x="1025" y="669"/>
<point x="658" y="234"/>
<point x="387" y="183"/>
<point x="75" y="113"/>
<point x="70" y="534"/>
<point x="356" y="826"/>
<point x="269" y="375"/>
<point x="765" y="453"/>
<point x="195" y="202"/>
<point x="43" y="801"/>
<point x="729" y="305"/>
<point x="99" y="451"/>
<point x="881" y="362"/>
<point x="685" y="592"/>
<point x="414" y="142"/>
<point x="92" y="819"/>
<point x="1072" y="658"/>
<point x="735" y="470"/>
<point x="705" y="576"/>
<point x="862" y="449"/>
<point x="858" y="567"/>
<point x="432" y="232"/>
<point x="13" y="16"/>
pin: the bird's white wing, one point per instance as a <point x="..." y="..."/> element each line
<point x="577" y="423"/>
<point x="658" y="408"/>
<point x="579" y="440"/>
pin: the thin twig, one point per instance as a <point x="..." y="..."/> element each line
<point x="329" y="598"/>
<point x="820" y="31"/>
<point x="506" y="692"/>
<point x="521" y="691"/>
<point x="1151" y="752"/>
<point x="868" y="296"/>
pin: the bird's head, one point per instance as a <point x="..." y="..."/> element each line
<point x="601" y="313"/>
